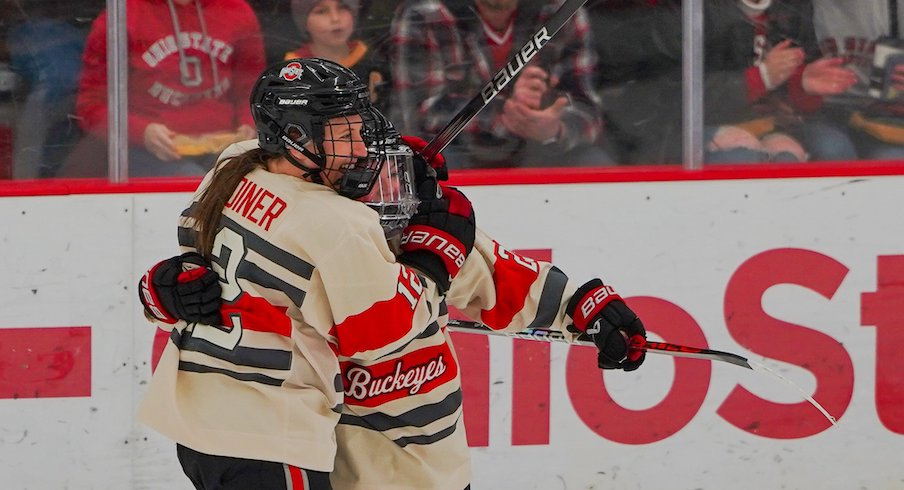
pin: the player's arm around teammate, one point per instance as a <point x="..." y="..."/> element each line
<point x="250" y="388"/>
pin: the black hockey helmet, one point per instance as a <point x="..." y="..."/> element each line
<point x="293" y="101"/>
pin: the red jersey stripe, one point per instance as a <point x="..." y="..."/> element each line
<point x="382" y="324"/>
<point x="257" y="314"/>
<point x="513" y="276"/>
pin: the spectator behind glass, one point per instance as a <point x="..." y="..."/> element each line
<point x="45" y="41"/>
<point x="445" y="51"/>
<point x="374" y="21"/>
<point x="862" y="34"/>
<point x="763" y="83"/>
<point x="327" y="28"/>
<point x="191" y="65"/>
<point x="280" y="34"/>
<point x="784" y="89"/>
<point x="638" y="43"/>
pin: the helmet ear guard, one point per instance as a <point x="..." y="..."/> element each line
<point x="297" y="134"/>
<point x="267" y="129"/>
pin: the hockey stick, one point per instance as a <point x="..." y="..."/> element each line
<point x="649" y="346"/>
<point x="502" y="78"/>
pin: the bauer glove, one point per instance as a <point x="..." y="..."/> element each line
<point x="440" y="236"/>
<point x="599" y="312"/>
<point x="182" y="288"/>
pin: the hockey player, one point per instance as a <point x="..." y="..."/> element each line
<point x="253" y="399"/>
<point x="401" y="425"/>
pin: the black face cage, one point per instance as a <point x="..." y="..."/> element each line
<point x="359" y="175"/>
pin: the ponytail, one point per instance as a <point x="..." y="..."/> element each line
<point x="226" y="178"/>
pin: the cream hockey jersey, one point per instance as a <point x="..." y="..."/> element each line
<point x="306" y="275"/>
<point x="401" y="426"/>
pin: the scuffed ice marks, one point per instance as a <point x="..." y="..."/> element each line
<point x="8" y="436"/>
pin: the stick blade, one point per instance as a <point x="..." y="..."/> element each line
<point x="696" y="353"/>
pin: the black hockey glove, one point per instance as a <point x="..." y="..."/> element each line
<point x="182" y="288"/>
<point x="598" y="311"/>
<point x="427" y="175"/>
<point x="440" y="236"/>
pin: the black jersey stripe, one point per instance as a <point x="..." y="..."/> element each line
<point x="252" y="377"/>
<point x="428" y="332"/>
<point x="426" y="440"/>
<point x="418" y="417"/>
<point x="550" y="298"/>
<point x="240" y="356"/>
<point x="188" y="237"/>
<point x="252" y="272"/>
<point x="274" y="254"/>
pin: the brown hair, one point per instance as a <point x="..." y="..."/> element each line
<point x="226" y="178"/>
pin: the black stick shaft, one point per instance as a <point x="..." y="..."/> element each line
<point x="502" y="78"/>
<point x="556" y="336"/>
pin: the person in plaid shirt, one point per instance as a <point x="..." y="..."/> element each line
<point x="443" y="53"/>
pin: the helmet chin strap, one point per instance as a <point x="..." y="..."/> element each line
<point x="313" y="174"/>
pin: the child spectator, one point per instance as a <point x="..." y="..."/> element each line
<point x="327" y="29"/>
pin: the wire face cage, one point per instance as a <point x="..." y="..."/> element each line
<point x="393" y="193"/>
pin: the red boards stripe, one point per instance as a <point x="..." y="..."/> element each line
<point x="45" y="362"/>
<point x="474" y="355"/>
<point x="531" y="381"/>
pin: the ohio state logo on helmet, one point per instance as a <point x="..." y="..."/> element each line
<point x="291" y="71"/>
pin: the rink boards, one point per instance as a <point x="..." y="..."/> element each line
<point x="805" y="275"/>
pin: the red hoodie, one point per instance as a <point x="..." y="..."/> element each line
<point x="202" y="87"/>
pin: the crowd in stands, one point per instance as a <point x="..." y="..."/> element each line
<point x="784" y="80"/>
